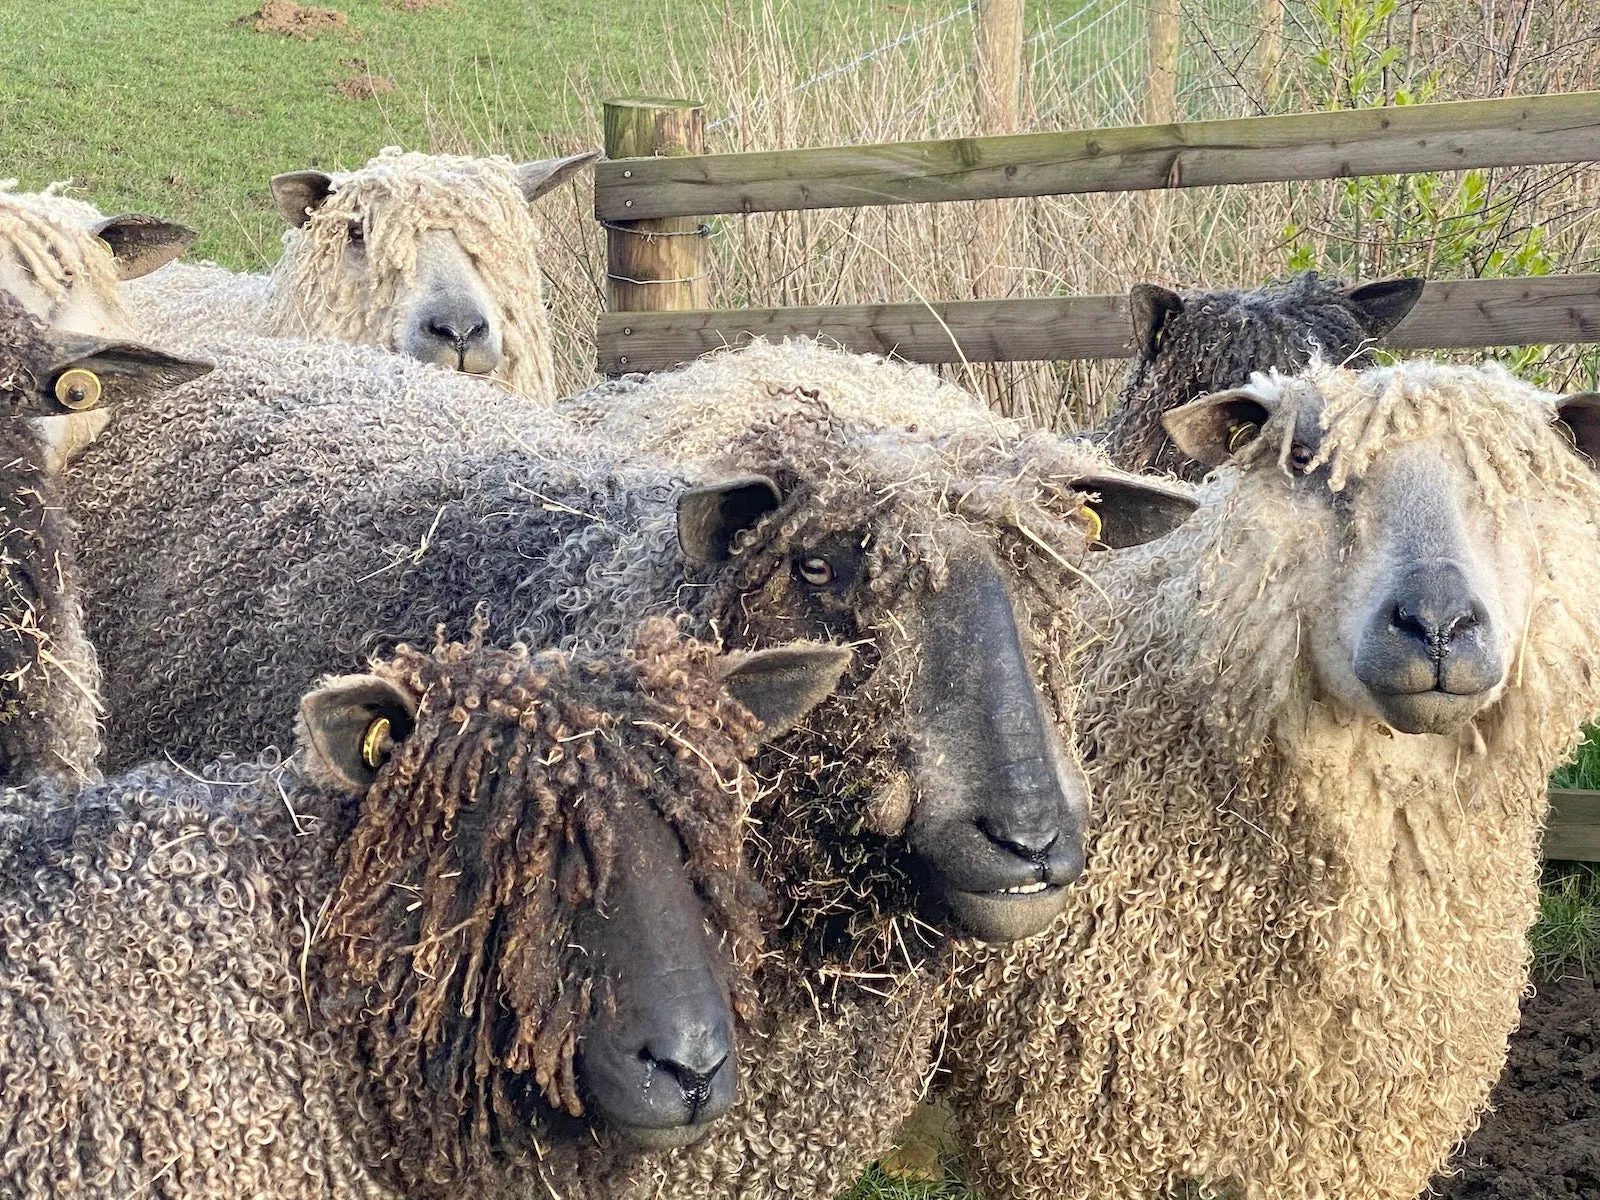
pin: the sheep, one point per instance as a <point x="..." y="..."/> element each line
<point x="432" y="256"/>
<point x="460" y="940"/>
<point x="1320" y="719"/>
<point x="49" y="722"/>
<point x="1191" y="344"/>
<point x="64" y="261"/>
<point x="309" y="510"/>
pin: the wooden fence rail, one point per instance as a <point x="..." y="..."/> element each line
<point x="1574" y="831"/>
<point x="1450" y="315"/>
<point x="1515" y="132"/>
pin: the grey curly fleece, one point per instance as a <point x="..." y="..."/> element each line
<point x="319" y="495"/>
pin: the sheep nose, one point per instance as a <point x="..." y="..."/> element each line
<point x="458" y="331"/>
<point x="1436" y="612"/>
<point x="1038" y="846"/>
<point x="695" y="1063"/>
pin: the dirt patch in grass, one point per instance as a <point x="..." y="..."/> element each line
<point x="303" y="21"/>
<point x="364" y="87"/>
<point x="1542" y="1142"/>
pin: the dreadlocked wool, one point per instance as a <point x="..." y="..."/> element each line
<point x="49" y="678"/>
<point x="1293" y="964"/>
<point x="48" y="235"/>
<point x="1214" y="342"/>
<point x="297" y="514"/>
<point x="701" y="409"/>
<point x="250" y="981"/>
<point x="314" y="292"/>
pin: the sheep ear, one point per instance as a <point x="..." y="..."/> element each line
<point x="141" y="244"/>
<point x="712" y="515"/>
<point x="86" y="372"/>
<point x="1149" y="306"/>
<point x="1578" y="416"/>
<point x="537" y="178"/>
<point x="1384" y="304"/>
<point x="1214" y="428"/>
<point x="298" y="194"/>
<point x="781" y="685"/>
<point x="1130" y="511"/>
<point x="349" y="726"/>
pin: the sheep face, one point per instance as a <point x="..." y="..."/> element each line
<point x="431" y="257"/>
<point x="1191" y="344"/>
<point x="1423" y="516"/>
<point x="949" y="573"/>
<point x="541" y="911"/>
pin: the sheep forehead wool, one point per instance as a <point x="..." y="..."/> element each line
<point x="1294" y="961"/>
<point x="322" y="289"/>
<point x="495" y="819"/>
<point x="47" y="235"/>
<point x="887" y="512"/>
<point x="700" y="410"/>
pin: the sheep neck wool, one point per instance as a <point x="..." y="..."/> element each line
<point x="1298" y="951"/>
<point x="398" y="197"/>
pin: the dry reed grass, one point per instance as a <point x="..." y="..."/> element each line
<point x="757" y="63"/>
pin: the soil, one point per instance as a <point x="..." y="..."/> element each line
<point x="298" y="20"/>
<point x="364" y="87"/>
<point x="1542" y="1141"/>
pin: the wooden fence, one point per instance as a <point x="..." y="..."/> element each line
<point x="667" y="187"/>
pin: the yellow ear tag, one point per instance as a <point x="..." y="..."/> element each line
<point x="1241" y="435"/>
<point x="107" y="246"/>
<point x="1091" y="520"/>
<point x="78" y="389"/>
<point x="376" y="742"/>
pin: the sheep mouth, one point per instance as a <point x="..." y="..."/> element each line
<point x="1431" y="711"/>
<point x="646" y="1137"/>
<point x="1006" y="914"/>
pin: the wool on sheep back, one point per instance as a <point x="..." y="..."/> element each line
<point x="1293" y="964"/>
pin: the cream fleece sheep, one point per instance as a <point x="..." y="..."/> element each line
<point x="1293" y="963"/>
<point x="350" y="270"/>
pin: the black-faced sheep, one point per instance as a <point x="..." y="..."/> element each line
<point x="492" y="892"/>
<point x="49" y="707"/>
<point x="1192" y="344"/>
<point x="1319" y="722"/>
<point x="935" y="769"/>
<point x="432" y="256"/>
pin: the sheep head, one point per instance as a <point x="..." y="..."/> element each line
<point x="946" y="562"/>
<point x="1425" y="521"/>
<point x="1189" y="344"/>
<point x="541" y="910"/>
<point x="431" y="256"/>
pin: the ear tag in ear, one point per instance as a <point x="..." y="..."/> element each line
<point x="1241" y="435"/>
<point x="1093" y="525"/>
<point x="78" y="389"/>
<point x="106" y="246"/>
<point x="377" y="742"/>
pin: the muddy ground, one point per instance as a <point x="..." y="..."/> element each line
<point x="1542" y="1142"/>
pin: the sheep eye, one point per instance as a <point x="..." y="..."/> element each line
<point x="1241" y="435"/>
<point x="377" y="742"/>
<point x="815" y="570"/>
<point x="1301" y="456"/>
<point x="356" y="233"/>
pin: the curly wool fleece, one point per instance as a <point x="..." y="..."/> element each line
<point x="49" y="234"/>
<point x="397" y="197"/>
<point x="1293" y="964"/>
<point x="181" y="950"/>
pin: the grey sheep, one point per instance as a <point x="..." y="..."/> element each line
<point x="352" y="499"/>
<point x="49" y="680"/>
<point x="493" y="892"/>
<point x="1190" y="344"/>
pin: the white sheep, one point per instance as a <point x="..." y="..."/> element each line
<point x="433" y="256"/>
<point x="1318" y="720"/>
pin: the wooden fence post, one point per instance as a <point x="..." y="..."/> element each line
<point x="1161" y="100"/>
<point x="656" y="265"/>
<point x="999" y="63"/>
